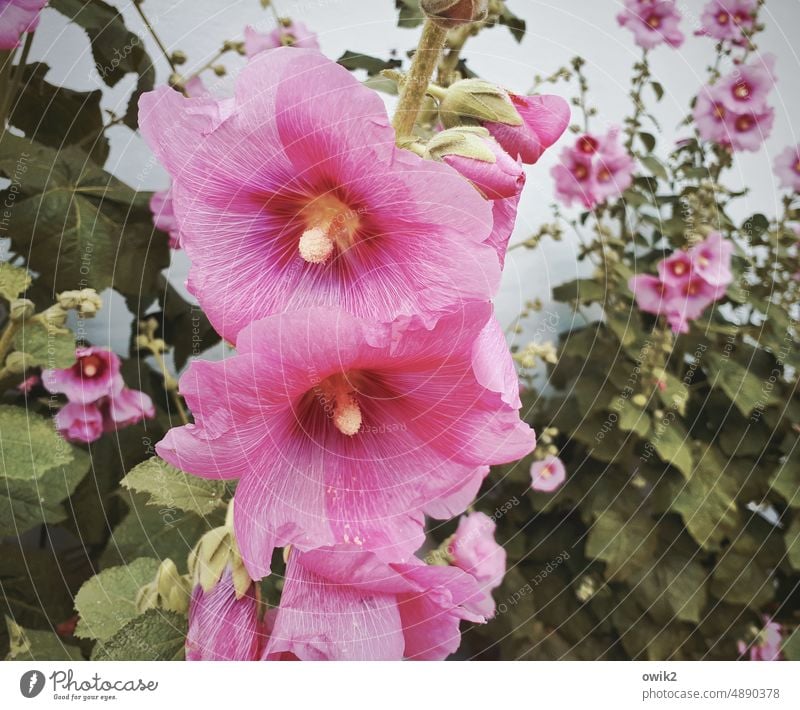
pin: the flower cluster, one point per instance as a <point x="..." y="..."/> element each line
<point x="652" y="22"/>
<point x="98" y="400"/>
<point x="593" y="170"/>
<point x="728" y="20"/>
<point x="767" y="644"/>
<point x="733" y="112"/>
<point x="289" y="33"/>
<point x="687" y="282"/>
<point x="371" y="385"/>
<point x="16" y="18"/>
<point x="787" y="168"/>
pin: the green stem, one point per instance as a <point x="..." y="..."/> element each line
<point x="416" y="83"/>
<point x="154" y="35"/>
<point x="171" y="386"/>
<point x="11" y="87"/>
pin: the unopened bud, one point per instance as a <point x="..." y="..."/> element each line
<point x="21" y="309"/>
<point x="475" y="100"/>
<point x="450" y="13"/>
<point x="178" y="57"/>
<point x="219" y="70"/>
<point x="639" y="400"/>
<point x="465" y="141"/>
<point x="170" y="590"/>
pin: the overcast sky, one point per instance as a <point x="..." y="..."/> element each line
<point x="557" y="30"/>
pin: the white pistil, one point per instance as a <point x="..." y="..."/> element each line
<point x="315" y="246"/>
<point x="347" y="414"/>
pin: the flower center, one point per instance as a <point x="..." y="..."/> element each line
<point x="742" y="91"/>
<point x="603" y="175"/>
<point x="719" y="111"/>
<point x="797" y="166"/>
<point x="679" y="268"/>
<point x="723" y="18"/>
<point x="691" y="289"/>
<point x="330" y="223"/>
<point x="580" y="172"/>
<point x="546" y="472"/>
<point x="587" y="144"/>
<point x="340" y="404"/>
<point x="703" y="261"/>
<point x="90" y="366"/>
<point x="744" y="123"/>
<point x="654" y="21"/>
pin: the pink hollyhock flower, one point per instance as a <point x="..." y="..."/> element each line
<point x="342" y="603"/>
<point x="711" y="260"/>
<point x="16" y="18"/>
<point x="747" y="131"/>
<point x="687" y="302"/>
<point x="614" y="167"/>
<point x="548" y="475"/>
<point x="545" y="117"/>
<point x="222" y="625"/>
<point x="650" y="293"/>
<point x="504" y="214"/>
<point x="164" y="216"/>
<point x="475" y="551"/>
<point x="787" y="168"/>
<point x="652" y="22"/>
<point x="574" y="179"/>
<point x="728" y="19"/>
<point x="79" y="422"/>
<point x="675" y="270"/>
<point x="126" y="408"/>
<point x="740" y="130"/>
<point x="500" y="179"/>
<point x="293" y="34"/>
<point x="342" y="430"/>
<point x="710" y="116"/>
<point x="767" y="646"/>
<point x="746" y="88"/>
<point x="94" y="375"/>
<point x="299" y="197"/>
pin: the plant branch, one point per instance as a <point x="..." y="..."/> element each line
<point x="138" y="5"/>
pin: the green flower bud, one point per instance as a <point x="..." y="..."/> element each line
<point x="178" y="57"/>
<point x="639" y="400"/>
<point x="21" y="309"/>
<point x="466" y="141"/>
<point x="471" y="101"/>
<point x="170" y="590"/>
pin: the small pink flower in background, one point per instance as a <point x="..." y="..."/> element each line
<point x="80" y="422"/>
<point x="223" y="626"/>
<point x="164" y="216"/>
<point x="341" y="603"/>
<point x="787" y="168"/>
<point x="293" y="34"/>
<point x="686" y="303"/>
<point x="767" y="646"/>
<point x="29" y="383"/>
<point x="746" y="88"/>
<point x="474" y="550"/>
<point x="548" y="475"/>
<point x="318" y="206"/>
<point x="16" y="18"/>
<point x="545" y="118"/>
<point x="343" y="430"/>
<point x="675" y="270"/>
<point x="126" y="408"/>
<point x="710" y="117"/>
<point x="94" y="375"/>
<point x="711" y="260"/>
<point x="652" y="22"/>
<point x="728" y="19"/>
<point x="593" y="170"/>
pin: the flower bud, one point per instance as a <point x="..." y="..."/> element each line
<point x="16" y="363"/>
<point x="178" y="57"/>
<point x="473" y="153"/>
<point x="639" y="400"/>
<point x="450" y="13"/>
<point x="21" y="309"/>
<point x="170" y="590"/>
<point x="472" y="101"/>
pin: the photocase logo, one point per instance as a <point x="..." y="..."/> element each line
<point x="31" y="683"/>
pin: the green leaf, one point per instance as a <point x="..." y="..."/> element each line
<point x="29" y="445"/>
<point x="625" y="543"/>
<point x="791" y="646"/>
<point x="655" y="166"/>
<point x="633" y="418"/>
<point x="658" y="90"/>
<point x="14" y="280"/>
<point x="156" y="635"/>
<point x="786" y="479"/>
<point x="581" y="290"/>
<point x="107" y="602"/>
<point x="514" y="23"/>
<point x="372" y="65"/>
<point x="648" y="140"/>
<point x="671" y="442"/>
<point x="792" y="540"/>
<point x="44" y="345"/>
<point x="410" y="14"/>
<point x="30" y="645"/>
<point x="743" y="388"/>
<point x="77" y="224"/>
<point x="707" y="501"/>
<point x="169" y="487"/>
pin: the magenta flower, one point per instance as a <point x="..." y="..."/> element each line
<point x="711" y="260"/>
<point x="298" y="196"/>
<point x="545" y="117"/>
<point x="293" y="34"/>
<point x="740" y="130"/>
<point x="675" y="270"/>
<point x="342" y="603"/>
<point x="548" y="475"/>
<point x="126" y="408"/>
<point x="347" y="431"/>
<point x="593" y="170"/>
<point x="474" y="550"/>
<point x="652" y="22"/>
<point x="79" y="422"/>
<point x="223" y="626"/>
<point x="650" y="293"/>
<point x="688" y="301"/>
<point x="164" y="216"/>
<point x="787" y="168"/>
<point x="767" y="646"/>
<point x="94" y="375"/>
<point x="496" y="180"/>
<point x="728" y="19"/>
<point x="16" y="18"/>
<point x="746" y="88"/>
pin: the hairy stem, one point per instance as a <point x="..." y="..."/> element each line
<point x="171" y="386"/>
<point x="416" y="83"/>
<point x="155" y="36"/>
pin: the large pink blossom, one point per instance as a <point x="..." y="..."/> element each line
<point x="94" y="375"/>
<point x="545" y="117"/>
<point x="767" y="646"/>
<point x="298" y="196"/>
<point x="343" y="430"/>
<point x="16" y="18"/>
<point x="787" y="167"/>
<point x="728" y="19"/>
<point x="652" y="22"/>
<point x="223" y="626"/>
<point x="294" y="34"/>
<point x="342" y="603"/>
<point x="473" y="549"/>
<point x="593" y="170"/>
